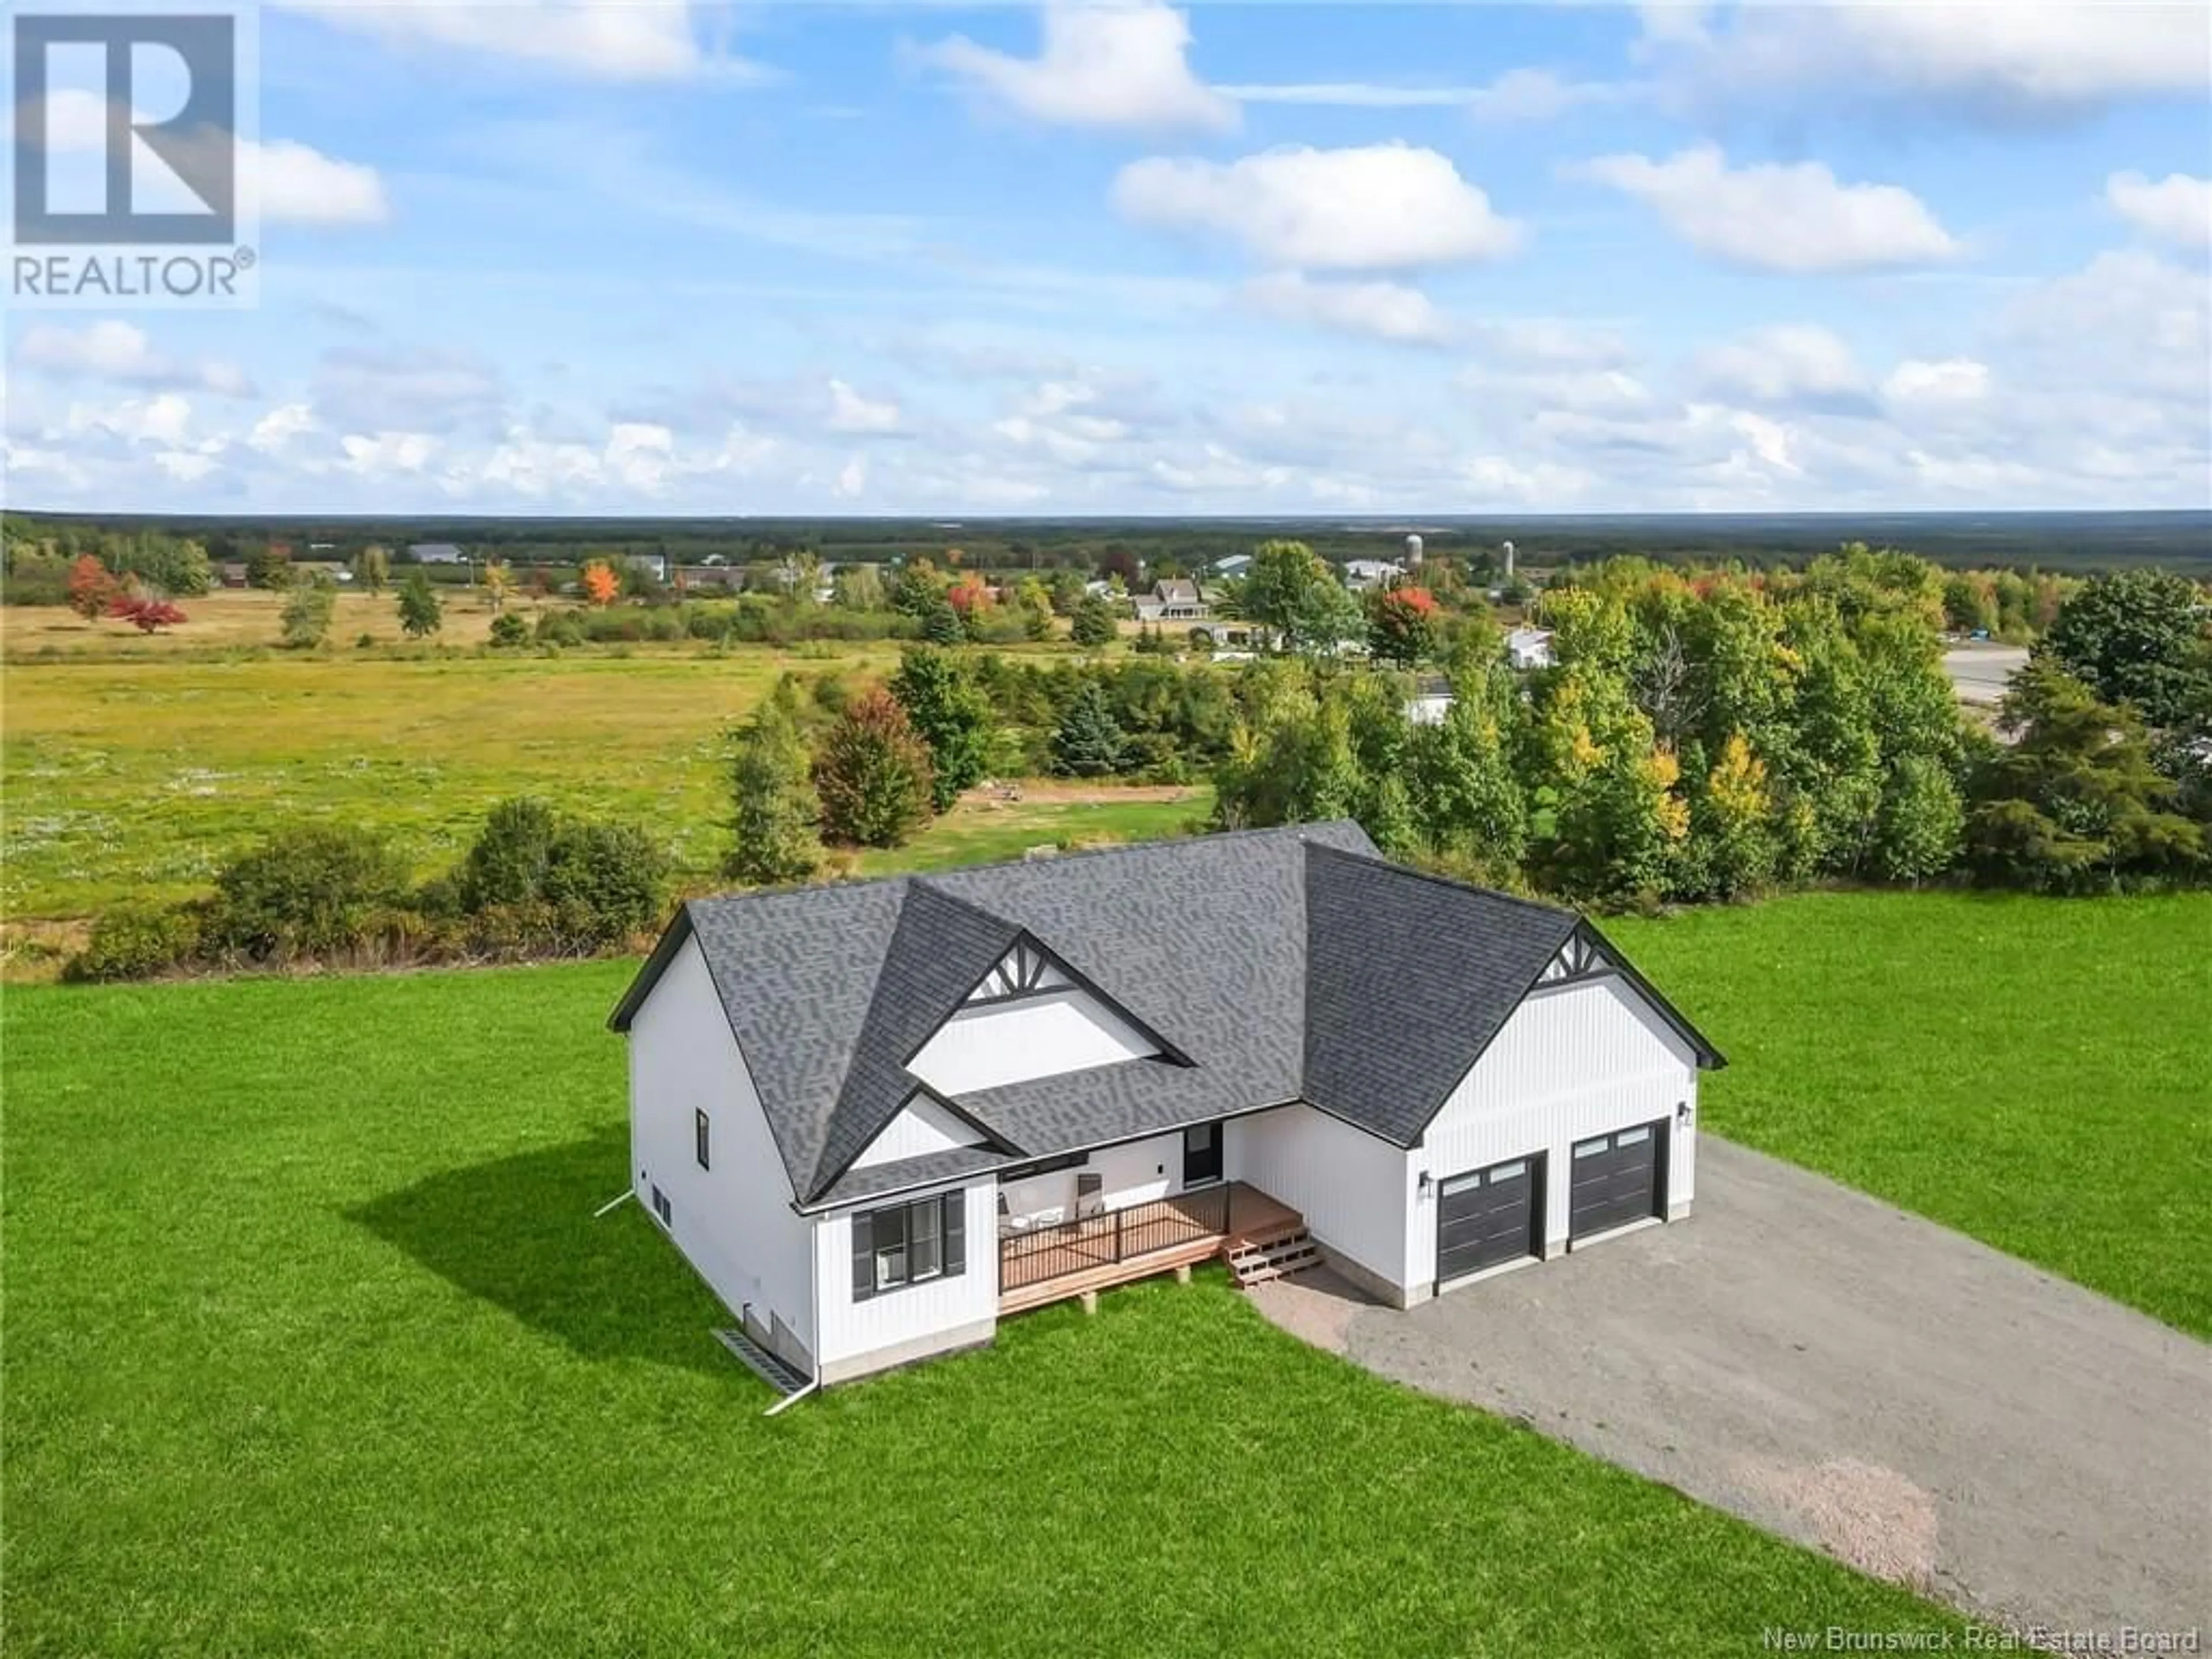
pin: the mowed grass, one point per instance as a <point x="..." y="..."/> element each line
<point x="313" y="1348"/>
<point x="137" y="779"/>
<point x="2033" y="1072"/>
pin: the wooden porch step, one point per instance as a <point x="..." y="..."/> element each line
<point x="1256" y="1261"/>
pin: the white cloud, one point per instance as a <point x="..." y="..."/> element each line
<point x="165" y="419"/>
<point x="851" y="478"/>
<point x="1379" y="207"/>
<point x="274" y="432"/>
<point x="851" y="412"/>
<point x="384" y="454"/>
<point x="2129" y="323"/>
<point x="1541" y="483"/>
<point x="1788" y="362"/>
<point x="296" y="184"/>
<point x="1388" y="311"/>
<point x="2177" y="209"/>
<point x="638" y="41"/>
<point x="299" y="185"/>
<point x="1942" y="382"/>
<point x="2001" y="58"/>
<point x="1798" y="219"/>
<point x="1517" y="95"/>
<point x="1547" y="343"/>
<point x="121" y="353"/>
<point x="1110" y="65"/>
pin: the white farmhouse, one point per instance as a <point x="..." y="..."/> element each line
<point x="877" y="1118"/>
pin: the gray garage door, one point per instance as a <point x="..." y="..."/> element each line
<point x="1614" y="1179"/>
<point x="1487" y="1216"/>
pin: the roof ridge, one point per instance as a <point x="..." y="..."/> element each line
<point x="929" y="876"/>
<point x="1457" y="886"/>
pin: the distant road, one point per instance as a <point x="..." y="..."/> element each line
<point x="1979" y="672"/>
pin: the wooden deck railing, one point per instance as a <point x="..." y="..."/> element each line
<point x="1037" y="1254"/>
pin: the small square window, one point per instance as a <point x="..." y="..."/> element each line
<point x="698" y="1137"/>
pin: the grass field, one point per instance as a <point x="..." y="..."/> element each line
<point x="137" y="779"/>
<point x="234" y="619"/>
<point x="2029" y="1071"/>
<point x="313" y="1349"/>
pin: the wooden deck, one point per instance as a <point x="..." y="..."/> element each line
<point x="1050" y="1264"/>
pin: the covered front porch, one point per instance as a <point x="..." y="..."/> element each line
<point x="1260" y="1236"/>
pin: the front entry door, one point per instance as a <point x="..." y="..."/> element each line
<point x="1201" y="1155"/>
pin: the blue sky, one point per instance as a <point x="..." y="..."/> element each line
<point x="649" y="257"/>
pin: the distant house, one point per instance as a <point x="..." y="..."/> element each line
<point x="1232" y="568"/>
<point x="233" y="572"/>
<point x="879" y="1117"/>
<point x="1530" y="647"/>
<point x="1173" y="598"/>
<point x="1360" y="573"/>
<point x="1431" y="702"/>
<point x="436" y="553"/>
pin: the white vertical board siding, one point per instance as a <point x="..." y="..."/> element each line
<point x="1037" y="1036"/>
<point x="922" y="1126"/>
<point x="733" y="1222"/>
<point x="1350" y="1186"/>
<point x="1139" y="1171"/>
<point x="913" y="1319"/>
<point x="1567" y="1064"/>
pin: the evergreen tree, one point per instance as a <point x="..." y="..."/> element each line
<point x="776" y="806"/>
<point x="1094" y="623"/>
<point x="941" y="623"/>
<point x="1088" y="742"/>
<point x="871" y="774"/>
<point x="2075" y="805"/>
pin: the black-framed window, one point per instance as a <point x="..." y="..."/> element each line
<point x="913" y="1244"/>
<point x="698" y="1137"/>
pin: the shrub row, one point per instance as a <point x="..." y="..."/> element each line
<point x="533" y="886"/>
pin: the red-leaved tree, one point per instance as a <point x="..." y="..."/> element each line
<point x="1402" y="625"/>
<point x="91" y="587"/>
<point x="144" y="612"/>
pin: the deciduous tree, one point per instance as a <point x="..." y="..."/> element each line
<point x="600" y="582"/>
<point x="421" y="612"/>
<point x="872" y="774"/>
<point x="939" y="692"/>
<point x="308" y="608"/>
<point x="91" y="587"/>
<point x="1094" y="625"/>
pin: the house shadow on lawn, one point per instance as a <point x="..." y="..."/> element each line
<point x="518" y="1233"/>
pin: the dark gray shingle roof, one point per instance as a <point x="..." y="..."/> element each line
<point x="1390" y="1029"/>
<point x="1272" y="965"/>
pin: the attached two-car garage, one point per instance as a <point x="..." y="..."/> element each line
<point x="1489" y="1216"/>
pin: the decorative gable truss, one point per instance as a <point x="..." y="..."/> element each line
<point x="1030" y="1017"/>
<point x="1581" y="957"/>
<point x="1024" y="971"/>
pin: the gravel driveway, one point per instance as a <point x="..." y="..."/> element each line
<point x="1854" y="1377"/>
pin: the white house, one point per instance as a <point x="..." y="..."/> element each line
<point x="1362" y="574"/>
<point x="1172" y="598"/>
<point x="878" y="1117"/>
<point x="1530" y="647"/>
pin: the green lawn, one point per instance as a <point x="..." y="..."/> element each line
<point x="313" y="1349"/>
<point x="2033" y="1072"/>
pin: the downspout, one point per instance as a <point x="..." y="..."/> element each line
<point x="813" y="1348"/>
